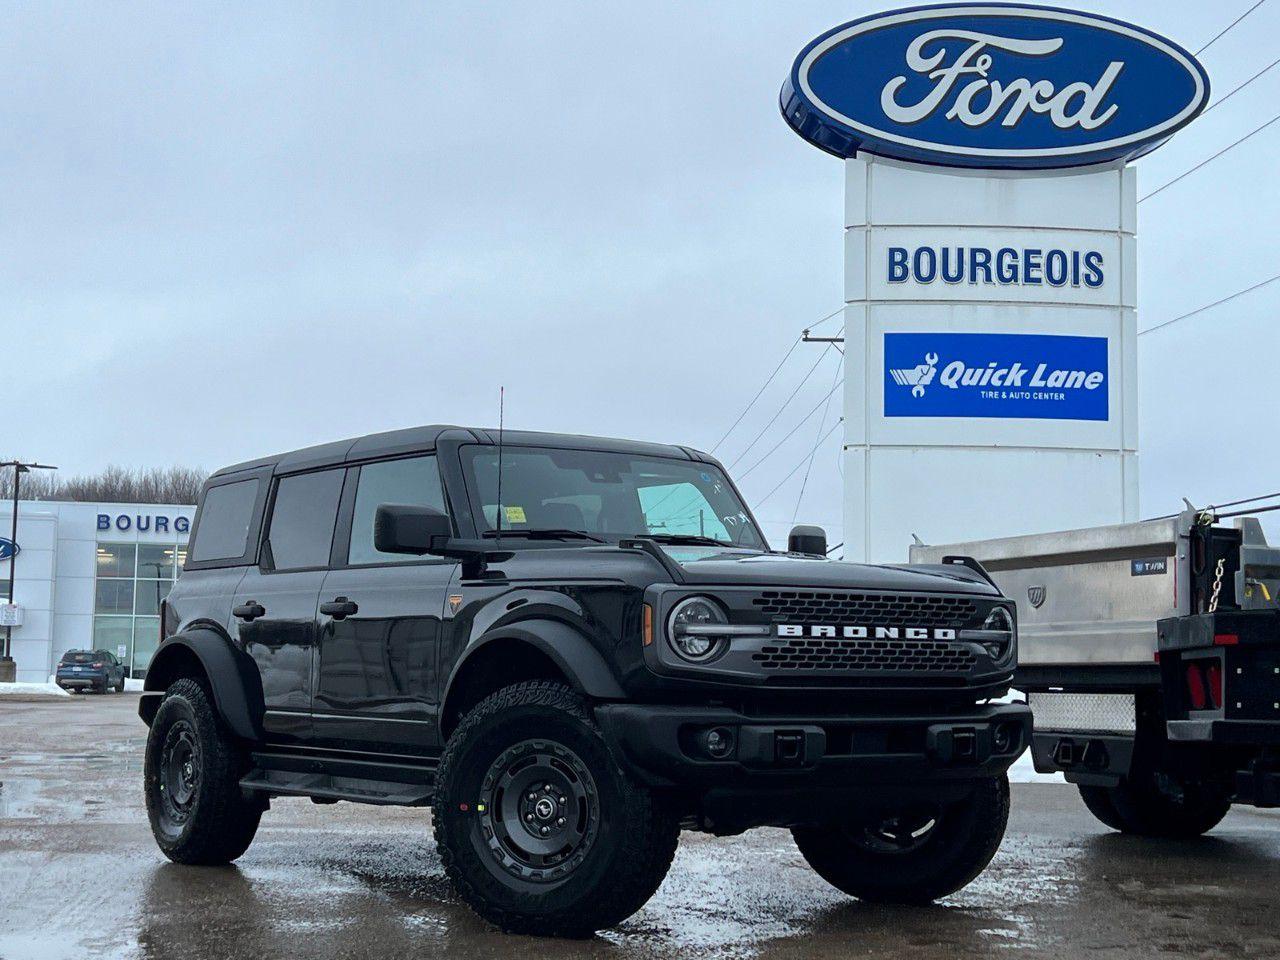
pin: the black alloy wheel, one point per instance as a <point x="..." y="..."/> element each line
<point x="541" y="810"/>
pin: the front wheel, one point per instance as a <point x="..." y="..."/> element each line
<point x="915" y="855"/>
<point x="191" y="778"/>
<point x="1155" y="804"/>
<point x="539" y="829"/>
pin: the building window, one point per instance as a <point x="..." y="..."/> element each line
<point x="132" y="579"/>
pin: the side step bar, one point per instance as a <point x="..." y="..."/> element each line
<point x="406" y="784"/>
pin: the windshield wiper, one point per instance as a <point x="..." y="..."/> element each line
<point x="551" y="533"/>
<point x="690" y="538"/>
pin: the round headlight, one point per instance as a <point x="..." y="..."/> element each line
<point x="690" y="614"/>
<point x="999" y="620"/>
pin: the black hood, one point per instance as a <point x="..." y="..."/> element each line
<point x="702" y="565"/>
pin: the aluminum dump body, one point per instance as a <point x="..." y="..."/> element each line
<point x="1086" y="597"/>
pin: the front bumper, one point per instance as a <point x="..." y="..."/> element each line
<point x="667" y="746"/>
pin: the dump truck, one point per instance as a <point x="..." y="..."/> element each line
<point x="1149" y="653"/>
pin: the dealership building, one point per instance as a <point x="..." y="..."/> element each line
<point x="91" y="576"/>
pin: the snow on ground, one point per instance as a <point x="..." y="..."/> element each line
<point x="133" y="686"/>
<point x="1025" y="772"/>
<point x="27" y="689"/>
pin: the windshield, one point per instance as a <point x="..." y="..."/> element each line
<point x="605" y="494"/>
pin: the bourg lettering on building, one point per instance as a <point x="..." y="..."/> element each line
<point x="1002" y="266"/>
<point x="145" y="522"/>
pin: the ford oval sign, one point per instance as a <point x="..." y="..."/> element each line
<point x="8" y="548"/>
<point x="994" y="86"/>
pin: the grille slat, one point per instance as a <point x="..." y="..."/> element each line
<point x="910" y="656"/>
<point x="869" y="655"/>
<point x="868" y="609"/>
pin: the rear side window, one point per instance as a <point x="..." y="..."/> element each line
<point x="413" y="482"/>
<point x="225" y="519"/>
<point x="301" y="531"/>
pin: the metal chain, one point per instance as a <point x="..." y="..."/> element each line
<point x="1217" y="584"/>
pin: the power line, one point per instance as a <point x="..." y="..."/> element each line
<point x="790" y="433"/>
<point x="822" y="440"/>
<point x="776" y="370"/>
<point x="782" y="409"/>
<point x="821" y="425"/>
<point x="1202" y="163"/>
<point x="1229" y="27"/>
<point x="1231" y="93"/>
<point x="759" y="394"/>
<point x="1210" y="306"/>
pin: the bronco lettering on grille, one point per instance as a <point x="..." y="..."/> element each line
<point x="865" y="633"/>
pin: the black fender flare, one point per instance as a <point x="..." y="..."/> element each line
<point x="233" y="679"/>
<point x="581" y="663"/>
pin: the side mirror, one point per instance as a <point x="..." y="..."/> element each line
<point x="399" y="528"/>
<point x="807" y="540"/>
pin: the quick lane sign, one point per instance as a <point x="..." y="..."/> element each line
<point x="1008" y="376"/>
<point x="994" y="86"/>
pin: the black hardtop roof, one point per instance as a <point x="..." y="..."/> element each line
<point x="414" y="439"/>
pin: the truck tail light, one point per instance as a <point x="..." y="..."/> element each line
<point x="96" y="666"/>
<point x="1213" y="683"/>
<point x="1195" y="686"/>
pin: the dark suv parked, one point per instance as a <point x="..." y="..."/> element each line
<point x="572" y="648"/>
<point x="80" y="670"/>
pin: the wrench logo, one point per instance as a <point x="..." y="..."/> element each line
<point x="917" y="377"/>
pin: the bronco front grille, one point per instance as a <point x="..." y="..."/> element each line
<point x="867" y="609"/>
<point x="886" y="656"/>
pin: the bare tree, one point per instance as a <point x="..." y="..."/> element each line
<point x="115" y="484"/>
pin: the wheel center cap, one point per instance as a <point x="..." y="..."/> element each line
<point x="544" y="809"/>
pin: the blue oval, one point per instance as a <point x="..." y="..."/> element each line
<point x="995" y="86"/>
<point x="8" y="548"/>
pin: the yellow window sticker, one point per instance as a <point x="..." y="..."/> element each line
<point x="515" y="515"/>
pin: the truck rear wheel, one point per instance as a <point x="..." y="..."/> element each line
<point x="915" y="856"/>
<point x="539" y="829"/>
<point x="1158" y="805"/>
<point x="191" y="778"/>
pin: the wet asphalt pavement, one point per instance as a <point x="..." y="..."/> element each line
<point x="80" y="877"/>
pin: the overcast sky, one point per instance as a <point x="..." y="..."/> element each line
<point x="229" y="230"/>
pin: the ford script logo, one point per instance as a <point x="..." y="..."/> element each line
<point x="994" y="86"/>
<point x="8" y="549"/>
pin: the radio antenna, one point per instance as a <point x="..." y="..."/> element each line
<point x="501" y="404"/>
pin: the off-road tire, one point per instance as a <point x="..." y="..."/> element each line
<point x="966" y="836"/>
<point x="218" y="822"/>
<point x="616" y="865"/>
<point x="1151" y="806"/>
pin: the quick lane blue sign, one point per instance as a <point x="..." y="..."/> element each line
<point x="1002" y="375"/>
<point x="993" y="86"/>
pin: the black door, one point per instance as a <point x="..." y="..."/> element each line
<point x="379" y="629"/>
<point x="275" y="605"/>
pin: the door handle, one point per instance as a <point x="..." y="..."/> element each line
<point x="340" y="608"/>
<point x="250" y="611"/>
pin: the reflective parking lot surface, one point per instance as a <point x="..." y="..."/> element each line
<point x="80" y="877"/>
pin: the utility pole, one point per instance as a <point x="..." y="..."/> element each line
<point x="8" y="670"/>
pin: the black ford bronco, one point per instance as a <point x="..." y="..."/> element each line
<point x="572" y="648"/>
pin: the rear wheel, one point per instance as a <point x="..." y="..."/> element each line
<point x="191" y="778"/>
<point x="1155" y="804"/>
<point x="539" y="828"/>
<point x="914" y="855"/>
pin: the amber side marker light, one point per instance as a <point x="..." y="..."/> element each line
<point x="648" y="625"/>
